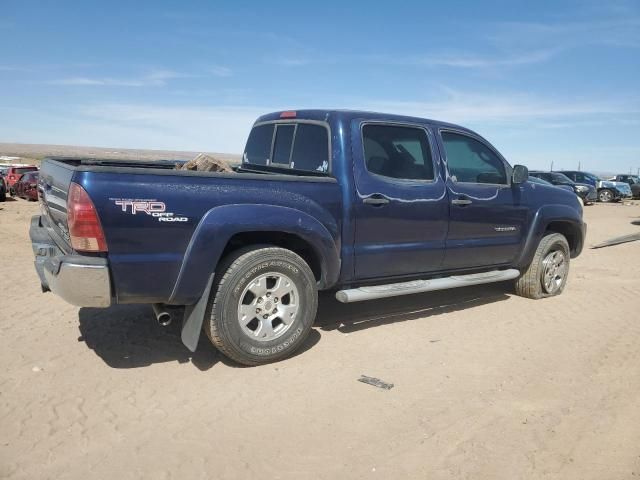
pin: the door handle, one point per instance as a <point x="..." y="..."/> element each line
<point x="376" y="199"/>
<point x="461" y="202"/>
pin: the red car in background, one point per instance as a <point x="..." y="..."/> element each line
<point x="14" y="173"/>
<point x="27" y="186"/>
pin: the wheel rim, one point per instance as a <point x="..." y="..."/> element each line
<point x="605" y="196"/>
<point x="554" y="271"/>
<point x="268" y="306"/>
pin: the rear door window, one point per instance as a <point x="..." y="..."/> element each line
<point x="397" y="152"/>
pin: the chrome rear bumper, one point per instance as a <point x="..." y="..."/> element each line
<point x="79" y="280"/>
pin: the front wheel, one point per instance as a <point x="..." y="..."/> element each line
<point x="605" y="195"/>
<point x="262" y="308"/>
<point x="547" y="274"/>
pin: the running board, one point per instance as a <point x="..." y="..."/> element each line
<point x="418" y="286"/>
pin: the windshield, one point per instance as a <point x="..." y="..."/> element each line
<point x="592" y="177"/>
<point x="539" y="181"/>
<point x="24" y="170"/>
<point x="561" y="178"/>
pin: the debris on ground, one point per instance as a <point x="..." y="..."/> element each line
<point x="618" y="240"/>
<point x="376" y="382"/>
<point x="205" y="163"/>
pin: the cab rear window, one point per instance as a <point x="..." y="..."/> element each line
<point x="299" y="146"/>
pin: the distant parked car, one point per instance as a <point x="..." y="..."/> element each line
<point x="540" y="181"/>
<point x="608" y="191"/>
<point x="14" y="173"/>
<point x="632" y="180"/>
<point x="3" y="189"/>
<point x="27" y="186"/>
<point x="587" y="193"/>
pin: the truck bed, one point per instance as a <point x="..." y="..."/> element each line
<point x="146" y="254"/>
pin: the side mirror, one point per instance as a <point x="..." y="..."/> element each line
<point x="520" y="174"/>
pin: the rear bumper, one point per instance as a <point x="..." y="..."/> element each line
<point x="79" y="280"/>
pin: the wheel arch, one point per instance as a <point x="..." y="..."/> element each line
<point x="227" y="228"/>
<point x="561" y="219"/>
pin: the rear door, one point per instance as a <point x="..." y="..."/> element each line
<point x="487" y="218"/>
<point x="401" y="210"/>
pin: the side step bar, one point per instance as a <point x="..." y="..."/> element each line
<point x="418" y="286"/>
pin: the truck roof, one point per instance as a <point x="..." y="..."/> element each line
<point x="348" y="115"/>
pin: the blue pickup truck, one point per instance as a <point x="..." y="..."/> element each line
<point x="366" y="205"/>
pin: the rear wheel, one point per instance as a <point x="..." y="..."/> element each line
<point x="262" y="308"/>
<point x="605" y="195"/>
<point x="547" y="274"/>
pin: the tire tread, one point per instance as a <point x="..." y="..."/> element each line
<point x="230" y="265"/>
<point x="528" y="284"/>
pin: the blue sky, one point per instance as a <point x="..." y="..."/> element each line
<point x="541" y="80"/>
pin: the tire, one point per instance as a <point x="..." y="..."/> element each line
<point x="249" y="285"/>
<point x="543" y="278"/>
<point x="605" y="195"/>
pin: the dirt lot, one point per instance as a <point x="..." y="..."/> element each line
<point x="31" y="153"/>
<point x="487" y="385"/>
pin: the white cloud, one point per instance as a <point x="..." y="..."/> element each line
<point x="155" y="78"/>
<point x="464" y="107"/>
<point x="221" y="71"/>
<point x="221" y="128"/>
<point x="466" y="60"/>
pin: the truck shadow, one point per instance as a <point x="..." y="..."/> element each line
<point x="127" y="336"/>
<point x="353" y="317"/>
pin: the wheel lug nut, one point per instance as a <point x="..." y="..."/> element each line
<point x="275" y="310"/>
<point x="258" y="310"/>
<point x="260" y="300"/>
<point x="268" y="294"/>
<point x="275" y="300"/>
<point x="265" y="316"/>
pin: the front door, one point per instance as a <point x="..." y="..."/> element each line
<point x="401" y="208"/>
<point x="487" y="220"/>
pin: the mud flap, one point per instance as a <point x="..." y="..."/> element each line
<point x="193" y="318"/>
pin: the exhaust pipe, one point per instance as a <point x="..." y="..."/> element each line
<point x="162" y="314"/>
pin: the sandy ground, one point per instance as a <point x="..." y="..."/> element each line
<point x="487" y="385"/>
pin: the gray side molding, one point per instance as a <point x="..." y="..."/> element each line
<point x="193" y="318"/>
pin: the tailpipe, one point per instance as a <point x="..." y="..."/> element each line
<point x="163" y="316"/>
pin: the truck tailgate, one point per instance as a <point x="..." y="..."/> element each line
<point x="53" y="186"/>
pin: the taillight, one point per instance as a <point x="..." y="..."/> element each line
<point x="84" y="225"/>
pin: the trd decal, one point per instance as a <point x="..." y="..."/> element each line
<point x="153" y="208"/>
<point x="141" y="206"/>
